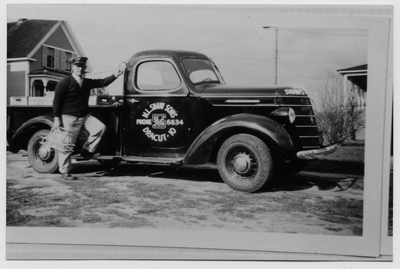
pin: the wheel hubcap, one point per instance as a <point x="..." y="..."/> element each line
<point x="243" y="163"/>
<point x="44" y="153"/>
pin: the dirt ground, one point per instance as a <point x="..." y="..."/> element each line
<point x="143" y="196"/>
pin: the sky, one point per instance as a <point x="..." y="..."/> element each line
<point x="235" y="38"/>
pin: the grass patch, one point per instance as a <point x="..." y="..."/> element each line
<point x="16" y="198"/>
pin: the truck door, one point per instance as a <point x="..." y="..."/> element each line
<point x="157" y="112"/>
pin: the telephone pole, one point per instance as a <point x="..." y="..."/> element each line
<point x="276" y="52"/>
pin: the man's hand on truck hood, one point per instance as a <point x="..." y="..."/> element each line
<point x="121" y="69"/>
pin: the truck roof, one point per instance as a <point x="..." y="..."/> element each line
<point x="173" y="54"/>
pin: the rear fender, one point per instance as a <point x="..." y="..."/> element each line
<point x="21" y="137"/>
<point x="273" y="134"/>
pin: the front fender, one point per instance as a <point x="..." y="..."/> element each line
<point x="265" y="128"/>
<point x="21" y="137"/>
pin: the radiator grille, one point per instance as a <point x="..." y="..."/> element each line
<point x="305" y="124"/>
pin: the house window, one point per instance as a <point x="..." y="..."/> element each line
<point x="50" y="57"/>
<point x="67" y="63"/>
<point x="56" y="58"/>
<point x="50" y="88"/>
<point x="65" y="57"/>
<point x="38" y="88"/>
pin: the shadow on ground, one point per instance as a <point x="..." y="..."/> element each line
<point x="320" y="181"/>
<point x="336" y="166"/>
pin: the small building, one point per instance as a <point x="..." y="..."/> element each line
<point x="355" y="83"/>
<point x="37" y="57"/>
<point x="355" y="88"/>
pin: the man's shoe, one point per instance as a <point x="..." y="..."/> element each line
<point x="68" y="176"/>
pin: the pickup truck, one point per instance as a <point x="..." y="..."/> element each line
<point x="177" y="110"/>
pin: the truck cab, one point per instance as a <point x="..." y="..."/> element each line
<point x="176" y="109"/>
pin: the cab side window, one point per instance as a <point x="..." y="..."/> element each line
<point x="157" y="75"/>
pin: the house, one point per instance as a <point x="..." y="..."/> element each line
<point x="355" y="87"/>
<point x="355" y="83"/>
<point x="37" y="57"/>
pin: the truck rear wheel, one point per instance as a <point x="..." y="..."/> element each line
<point x="245" y="163"/>
<point x="42" y="158"/>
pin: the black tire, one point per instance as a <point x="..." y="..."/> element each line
<point x="42" y="158"/>
<point x="245" y="163"/>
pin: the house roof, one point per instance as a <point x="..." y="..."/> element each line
<point x="24" y="35"/>
<point x="47" y="71"/>
<point x="357" y="75"/>
<point x="358" y="68"/>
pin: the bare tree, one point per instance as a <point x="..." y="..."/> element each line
<point x="339" y="116"/>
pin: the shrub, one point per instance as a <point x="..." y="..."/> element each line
<point x="339" y="117"/>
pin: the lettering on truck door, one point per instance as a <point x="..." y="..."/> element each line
<point x="158" y="118"/>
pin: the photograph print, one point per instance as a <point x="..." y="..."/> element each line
<point x="148" y="123"/>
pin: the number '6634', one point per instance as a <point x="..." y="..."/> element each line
<point x="174" y="122"/>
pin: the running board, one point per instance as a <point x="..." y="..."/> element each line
<point x="139" y="159"/>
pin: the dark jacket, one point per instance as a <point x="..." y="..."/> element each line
<point x="70" y="99"/>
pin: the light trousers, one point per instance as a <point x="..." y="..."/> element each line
<point x="74" y="125"/>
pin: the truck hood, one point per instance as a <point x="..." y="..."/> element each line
<point x="253" y="91"/>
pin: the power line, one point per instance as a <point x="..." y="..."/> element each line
<point x="290" y="67"/>
<point x="227" y="41"/>
<point x="139" y="37"/>
<point x="309" y="61"/>
<point x="242" y="58"/>
<point x="250" y="64"/>
<point x="321" y="33"/>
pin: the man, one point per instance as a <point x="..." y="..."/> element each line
<point x="71" y="111"/>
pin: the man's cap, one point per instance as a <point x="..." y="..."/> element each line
<point x="80" y="61"/>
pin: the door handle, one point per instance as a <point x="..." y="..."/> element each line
<point x="133" y="100"/>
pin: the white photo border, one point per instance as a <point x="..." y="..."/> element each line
<point x="377" y="128"/>
<point x="387" y="240"/>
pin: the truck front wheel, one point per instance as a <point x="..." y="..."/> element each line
<point x="245" y="163"/>
<point x="42" y="158"/>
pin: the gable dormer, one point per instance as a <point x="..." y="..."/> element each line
<point x="37" y="56"/>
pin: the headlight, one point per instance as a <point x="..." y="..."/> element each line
<point x="284" y="114"/>
<point x="292" y="115"/>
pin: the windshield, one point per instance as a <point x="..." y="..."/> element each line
<point x="201" y="71"/>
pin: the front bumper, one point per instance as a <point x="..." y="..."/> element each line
<point x="316" y="153"/>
